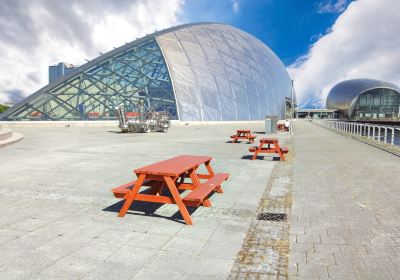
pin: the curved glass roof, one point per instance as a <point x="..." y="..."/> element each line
<point x="201" y="72"/>
<point x="344" y="95"/>
<point x="94" y="90"/>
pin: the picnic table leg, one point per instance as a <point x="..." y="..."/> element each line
<point x="157" y="190"/>
<point x="175" y="194"/>
<point x="209" y="168"/>
<point x="131" y="195"/>
<point x="196" y="181"/>
<point x="206" y="203"/>
<point x="211" y="172"/>
<point x="248" y="136"/>
<point x="251" y="139"/>
<point x="279" y="151"/>
<point x="257" y="151"/>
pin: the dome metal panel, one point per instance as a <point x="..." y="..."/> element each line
<point x="222" y="73"/>
<point x="344" y="95"/>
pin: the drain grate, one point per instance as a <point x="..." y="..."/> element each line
<point x="276" y="217"/>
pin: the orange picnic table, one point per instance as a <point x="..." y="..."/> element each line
<point x="176" y="175"/>
<point x="272" y="147"/>
<point x="243" y="134"/>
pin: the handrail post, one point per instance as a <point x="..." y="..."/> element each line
<point x="385" y="137"/>
<point x="379" y="134"/>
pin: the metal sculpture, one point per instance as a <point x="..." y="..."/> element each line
<point x="150" y="121"/>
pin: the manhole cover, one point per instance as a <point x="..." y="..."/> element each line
<point x="277" y="217"/>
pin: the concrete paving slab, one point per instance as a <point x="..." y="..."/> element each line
<point x="56" y="200"/>
<point x="346" y="199"/>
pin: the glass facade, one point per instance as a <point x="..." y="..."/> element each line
<point x="380" y="103"/>
<point x="196" y="72"/>
<point x="365" y="99"/>
<point x="122" y="79"/>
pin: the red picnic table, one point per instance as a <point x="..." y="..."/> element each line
<point x="272" y="148"/>
<point x="172" y="173"/>
<point x="243" y="134"/>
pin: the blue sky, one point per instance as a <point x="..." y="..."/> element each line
<point x="288" y="27"/>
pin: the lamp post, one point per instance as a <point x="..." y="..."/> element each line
<point x="292" y="108"/>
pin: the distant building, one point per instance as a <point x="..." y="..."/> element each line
<point x="59" y="70"/>
<point x="316" y="113"/>
<point x="365" y="100"/>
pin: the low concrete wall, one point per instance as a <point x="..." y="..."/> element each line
<point x="16" y="124"/>
<point x="175" y="122"/>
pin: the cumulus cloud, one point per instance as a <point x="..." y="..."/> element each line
<point x="364" y="42"/>
<point x="38" y="33"/>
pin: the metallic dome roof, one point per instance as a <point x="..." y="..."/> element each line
<point x="221" y="73"/>
<point x="344" y="95"/>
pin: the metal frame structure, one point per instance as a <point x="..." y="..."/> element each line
<point x="138" y="73"/>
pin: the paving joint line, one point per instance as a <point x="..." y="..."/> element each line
<point x="265" y="251"/>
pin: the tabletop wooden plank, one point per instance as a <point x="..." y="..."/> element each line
<point x="243" y="131"/>
<point x="269" y="140"/>
<point x="173" y="166"/>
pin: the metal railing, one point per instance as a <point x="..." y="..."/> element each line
<point x="380" y="133"/>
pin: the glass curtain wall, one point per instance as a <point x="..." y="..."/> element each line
<point x="378" y="103"/>
<point x="139" y="73"/>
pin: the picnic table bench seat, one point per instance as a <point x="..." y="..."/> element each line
<point x="253" y="148"/>
<point x="247" y="137"/>
<point x="197" y="196"/>
<point x="121" y="191"/>
<point x="284" y="150"/>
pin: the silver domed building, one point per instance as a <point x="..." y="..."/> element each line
<point x="365" y="99"/>
<point x="196" y="72"/>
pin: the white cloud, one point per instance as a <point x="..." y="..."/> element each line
<point x="235" y="6"/>
<point x="364" y="42"/>
<point x="331" y="6"/>
<point x="36" y="34"/>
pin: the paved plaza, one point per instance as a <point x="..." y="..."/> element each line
<point x="59" y="217"/>
<point x="346" y="210"/>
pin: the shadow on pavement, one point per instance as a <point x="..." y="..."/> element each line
<point x="142" y="208"/>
